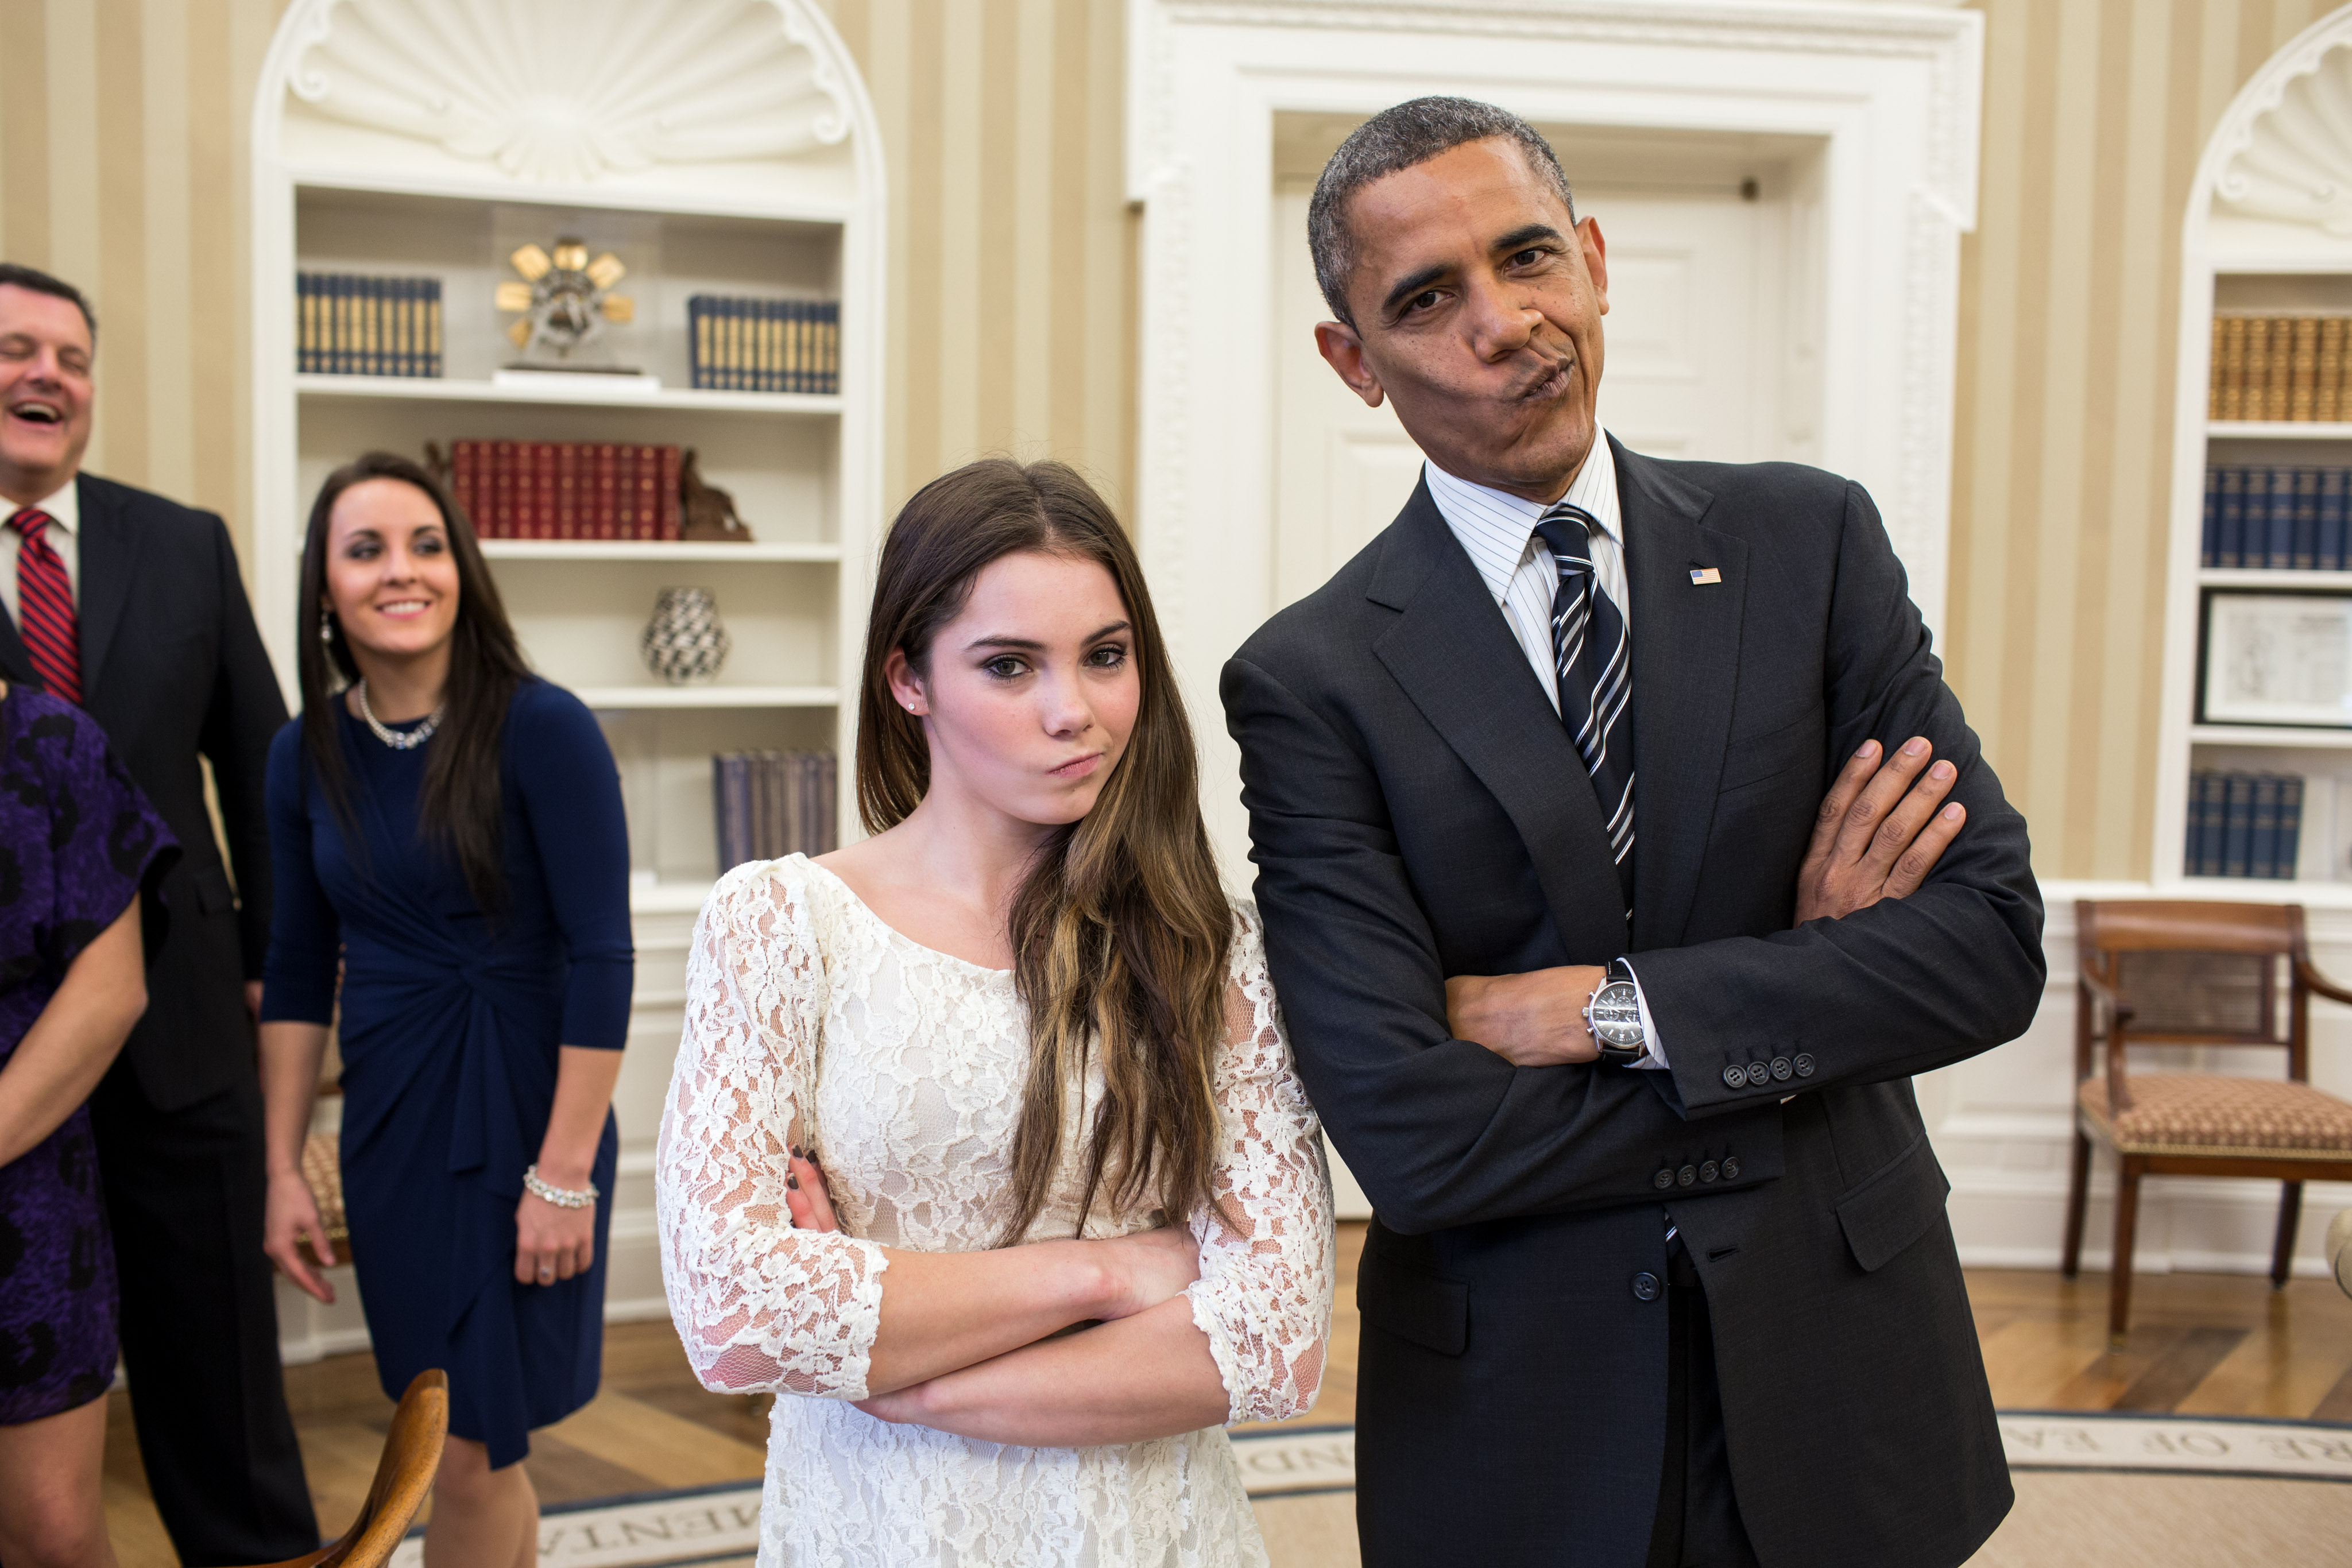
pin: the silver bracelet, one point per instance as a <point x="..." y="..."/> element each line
<point x="562" y="1197"/>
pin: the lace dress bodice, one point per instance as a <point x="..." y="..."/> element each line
<point x="809" y="1021"/>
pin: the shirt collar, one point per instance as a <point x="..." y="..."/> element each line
<point x="1499" y="527"/>
<point x="64" y="509"/>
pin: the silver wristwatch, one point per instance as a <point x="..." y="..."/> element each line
<point x="1614" y="1014"/>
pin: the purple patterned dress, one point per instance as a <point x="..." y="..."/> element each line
<point x="78" y="843"/>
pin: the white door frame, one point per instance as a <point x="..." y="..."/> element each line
<point x="1894" y="91"/>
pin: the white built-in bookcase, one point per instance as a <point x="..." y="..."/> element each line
<point x="715" y="146"/>
<point x="2268" y="231"/>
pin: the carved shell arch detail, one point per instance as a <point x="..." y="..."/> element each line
<point x="567" y="91"/>
<point x="2291" y="157"/>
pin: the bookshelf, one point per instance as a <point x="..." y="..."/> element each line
<point x="715" y="147"/>
<point x="346" y="183"/>
<point x="2262" y="238"/>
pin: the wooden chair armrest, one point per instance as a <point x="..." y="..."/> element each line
<point x="2118" y="1006"/>
<point x="2319" y="984"/>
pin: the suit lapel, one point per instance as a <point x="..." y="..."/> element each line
<point x="1686" y="672"/>
<point x="15" y="660"/>
<point x="1456" y="660"/>
<point x="107" y="557"/>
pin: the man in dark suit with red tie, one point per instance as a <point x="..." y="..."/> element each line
<point x="131" y="605"/>
<point x="1612" y="1015"/>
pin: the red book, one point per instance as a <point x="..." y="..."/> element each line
<point x="542" y="489"/>
<point x="649" y="511"/>
<point x="506" y="470"/>
<point x="567" y="490"/>
<point x="625" y="492"/>
<point x="673" y="506"/>
<point x="599" y="510"/>
<point x="461" y="481"/>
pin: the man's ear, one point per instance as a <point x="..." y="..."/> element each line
<point x="1596" y="259"/>
<point x="1344" y="352"/>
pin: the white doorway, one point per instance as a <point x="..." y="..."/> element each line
<point x="1712" y="334"/>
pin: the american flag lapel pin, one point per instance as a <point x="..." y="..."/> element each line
<point x="1705" y="574"/>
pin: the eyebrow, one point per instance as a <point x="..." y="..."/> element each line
<point x="1031" y="645"/>
<point x="1518" y="240"/>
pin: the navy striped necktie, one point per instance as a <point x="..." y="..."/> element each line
<point x="1593" y="661"/>
<point x="44" y="607"/>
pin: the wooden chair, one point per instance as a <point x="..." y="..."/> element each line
<point x="2190" y="973"/>
<point x="412" y="1455"/>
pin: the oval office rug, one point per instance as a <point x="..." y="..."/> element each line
<point x="2094" y="1491"/>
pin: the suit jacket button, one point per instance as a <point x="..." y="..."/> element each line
<point x="1710" y="1171"/>
<point x="1804" y="1064"/>
<point x="1645" y="1286"/>
<point x="1735" y="1077"/>
<point x="1687" y="1176"/>
<point x="1783" y="1069"/>
<point x="1662" y="1180"/>
<point x="1731" y="1167"/>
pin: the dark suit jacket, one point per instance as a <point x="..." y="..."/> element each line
<point x="1417" y="811"/>
<point x="172" y="666"/>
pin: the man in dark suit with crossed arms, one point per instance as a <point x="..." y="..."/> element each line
<point x="131" y="606"/>
<point x="1609" y="1010"/>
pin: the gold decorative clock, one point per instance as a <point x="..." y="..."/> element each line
<point x="564" y="299"/>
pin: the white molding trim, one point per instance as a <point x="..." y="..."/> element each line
<point x="1893" y="92"/>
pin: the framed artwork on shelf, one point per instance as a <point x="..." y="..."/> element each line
<point x="2277" y="659"/>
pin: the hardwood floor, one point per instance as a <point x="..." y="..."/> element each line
<point x="2201" y="1344"/>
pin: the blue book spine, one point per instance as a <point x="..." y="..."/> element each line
<point x="2306" y="518"/>
<point x="776" y="348"/>
<point x="2261" y="838"/>
<point x="2278" y="544"/>
<point x="694" y="342"/>
<point x="2290" y="825"/>
<point x="2208" y="547"/>
<point x="2231" y="548"/>
<point x="2236" y="824"/>
<point x="306" y="322"/>
<point x="2192" y="851"/>
<point x="2329" y="548"/>
<point x="2208" y="842"/>
<point x="829" y="337"/>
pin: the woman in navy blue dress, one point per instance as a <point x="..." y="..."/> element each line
<point x="81" y="857"/>
<point x="447" y="829"/>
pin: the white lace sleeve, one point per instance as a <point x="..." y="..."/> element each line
<point x="759" y="1304"/>
<point x="1264" y="1297"/>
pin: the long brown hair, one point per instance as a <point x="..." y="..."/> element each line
<point x="1120" y="929"/>
<point x="462" y="803"/>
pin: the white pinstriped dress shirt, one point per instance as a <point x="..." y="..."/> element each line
<point x="1498" y="531"/>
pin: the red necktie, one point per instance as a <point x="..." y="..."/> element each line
<point x="45" y="608"/>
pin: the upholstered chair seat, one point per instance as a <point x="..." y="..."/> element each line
<point x="2210" y="1113"/>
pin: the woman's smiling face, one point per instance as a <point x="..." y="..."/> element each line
<point x="392" y="582"/>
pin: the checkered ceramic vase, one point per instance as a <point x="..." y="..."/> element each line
<point x="684" y="644"/>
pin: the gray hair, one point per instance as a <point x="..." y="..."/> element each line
<point x="1397" y="139"/>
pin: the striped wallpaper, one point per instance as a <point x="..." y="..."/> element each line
<point x="1013" y="291"/>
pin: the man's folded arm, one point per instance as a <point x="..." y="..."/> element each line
<point x="1440" y="1132"/>
<point x="1905" y="985"/>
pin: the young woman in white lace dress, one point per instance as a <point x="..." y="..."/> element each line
<point x="984" y="1150"/>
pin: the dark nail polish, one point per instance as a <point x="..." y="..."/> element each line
<point x="792" y="1181"/>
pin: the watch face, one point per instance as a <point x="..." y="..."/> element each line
<point x="1616" y="1015"/>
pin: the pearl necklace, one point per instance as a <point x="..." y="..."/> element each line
<point x="399" y="739"/>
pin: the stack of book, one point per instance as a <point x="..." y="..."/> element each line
<point x="2244" y="824"/>
<point x="764" y="345"/>
<point x="771" y="803"/>
<point x="346" y="326"/>
<point x="2279" y="367"/>
<point x="566" y="489"/>
<point x="2276" y="516"/>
